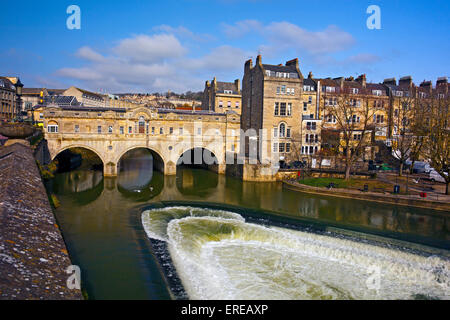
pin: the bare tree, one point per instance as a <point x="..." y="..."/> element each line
<point x="403" y="137"/>
<point x="352" y="117"/>
<point x="437" y="150"/>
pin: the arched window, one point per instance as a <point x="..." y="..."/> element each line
<point x="52" y="127"/>
<point x="141" y="124"/>
<point x="282" y="130"/>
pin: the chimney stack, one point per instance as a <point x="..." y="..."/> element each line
<point x="237" y="84"/>
<point x="390" y="81"/>
<point x="405" y="81"/>
<point x="258" y="60"/>
<point x="362" y="80"/>
<point x="428" y="85"/>
<point x="310" y="75"/>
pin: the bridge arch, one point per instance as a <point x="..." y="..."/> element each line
<point x="159" y="161"/>
<point x="201" y="157"/>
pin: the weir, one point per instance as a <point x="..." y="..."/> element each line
<point x="218" y="255"/>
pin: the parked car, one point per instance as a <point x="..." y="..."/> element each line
<point x="436" y="177"/>
<point x="420" y="167"/>
<point x="297" y="164"/>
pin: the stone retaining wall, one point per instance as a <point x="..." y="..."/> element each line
<point x="33" y="255"/>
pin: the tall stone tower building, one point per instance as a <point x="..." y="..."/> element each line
<point x="272" y="106"/>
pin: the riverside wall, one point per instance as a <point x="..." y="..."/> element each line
<point x="33" y="255"/>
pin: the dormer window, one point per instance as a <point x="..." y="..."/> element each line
<point x="228" y="91"/>
<point x="354" y="90"/>
<point x="376" y="92"/>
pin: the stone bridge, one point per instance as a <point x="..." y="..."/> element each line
<point x="169" y="134"/>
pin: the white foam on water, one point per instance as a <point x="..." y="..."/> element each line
<point x="218" y="255"/>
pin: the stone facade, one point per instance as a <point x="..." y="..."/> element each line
<point x="8" y="99"/>
<point x="222" y="96"/>
<point x="272" y="97"/>
<point x="111" y="132"/>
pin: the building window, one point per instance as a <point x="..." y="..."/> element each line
<point x="305" y="106"/>
<point x="237" y="104"/>
<point x="282" y="108"/>
<point x="275" y="147"/>
<point x="199" y="131"/>
<point x="110" y="129"/>
<point x="121" y="130"/>
<point x="141" y="124"/>
<point x="52" y="128"/>
<point x="275" y="132"/>
<point x="282" y="130"/>
<point x="171" y="130"/>
<point x="153" y="130"/>
<point x="283" y="89"/>
<point x="310" y="99"/>
<point x="278" y="90"/>
<point x="99" y="129"/>
<point x="77" y="128"/>
<point x="161" y="130"/>
<point x="229" y="104"/>
<point x="288" y="147"/>
<point x="288" y="132"/>
<point x="181" y="131"/>
<point x="276" y="108"/>
<point x="281" y="147"/>
<point x="289" y="109"/>
<point x="130" y="129"/>
<point x="220" y="104"/>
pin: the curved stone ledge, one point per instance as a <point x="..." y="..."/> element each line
<point x="370" y="196"/>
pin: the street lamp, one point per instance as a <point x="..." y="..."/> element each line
<point x="19" y="86"/>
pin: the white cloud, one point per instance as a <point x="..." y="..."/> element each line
<point x="89" y="54"/>
<point x="285" y="35"/>
<point x="241" y="28"/>
<point x="153" y="63"/>
<point x="144" y="48"/>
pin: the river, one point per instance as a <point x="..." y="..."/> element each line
<point x="229" y="239"/>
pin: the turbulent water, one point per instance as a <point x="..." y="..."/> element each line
<point x="218" y="255"/>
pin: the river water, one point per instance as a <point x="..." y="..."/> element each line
<point x="228" y="239"/>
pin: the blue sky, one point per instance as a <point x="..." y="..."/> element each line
<point x="148" y="46"/>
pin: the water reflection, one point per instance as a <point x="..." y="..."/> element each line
<point x="196" y="182"/>
<point x="138" y="182"/>
<point x="136" y="178"/>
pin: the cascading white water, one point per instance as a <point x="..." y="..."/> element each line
<point x="218" y="255"/>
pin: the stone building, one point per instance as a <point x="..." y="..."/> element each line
<point x="311" y="121"/>
<point x="9" y="107"/>
<point x="222" y="96"/>
<point x="355" y="106"/>
<point x="87" y="98"/>
<point x="32" y="97"/>
<point x="272" y="107"/>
